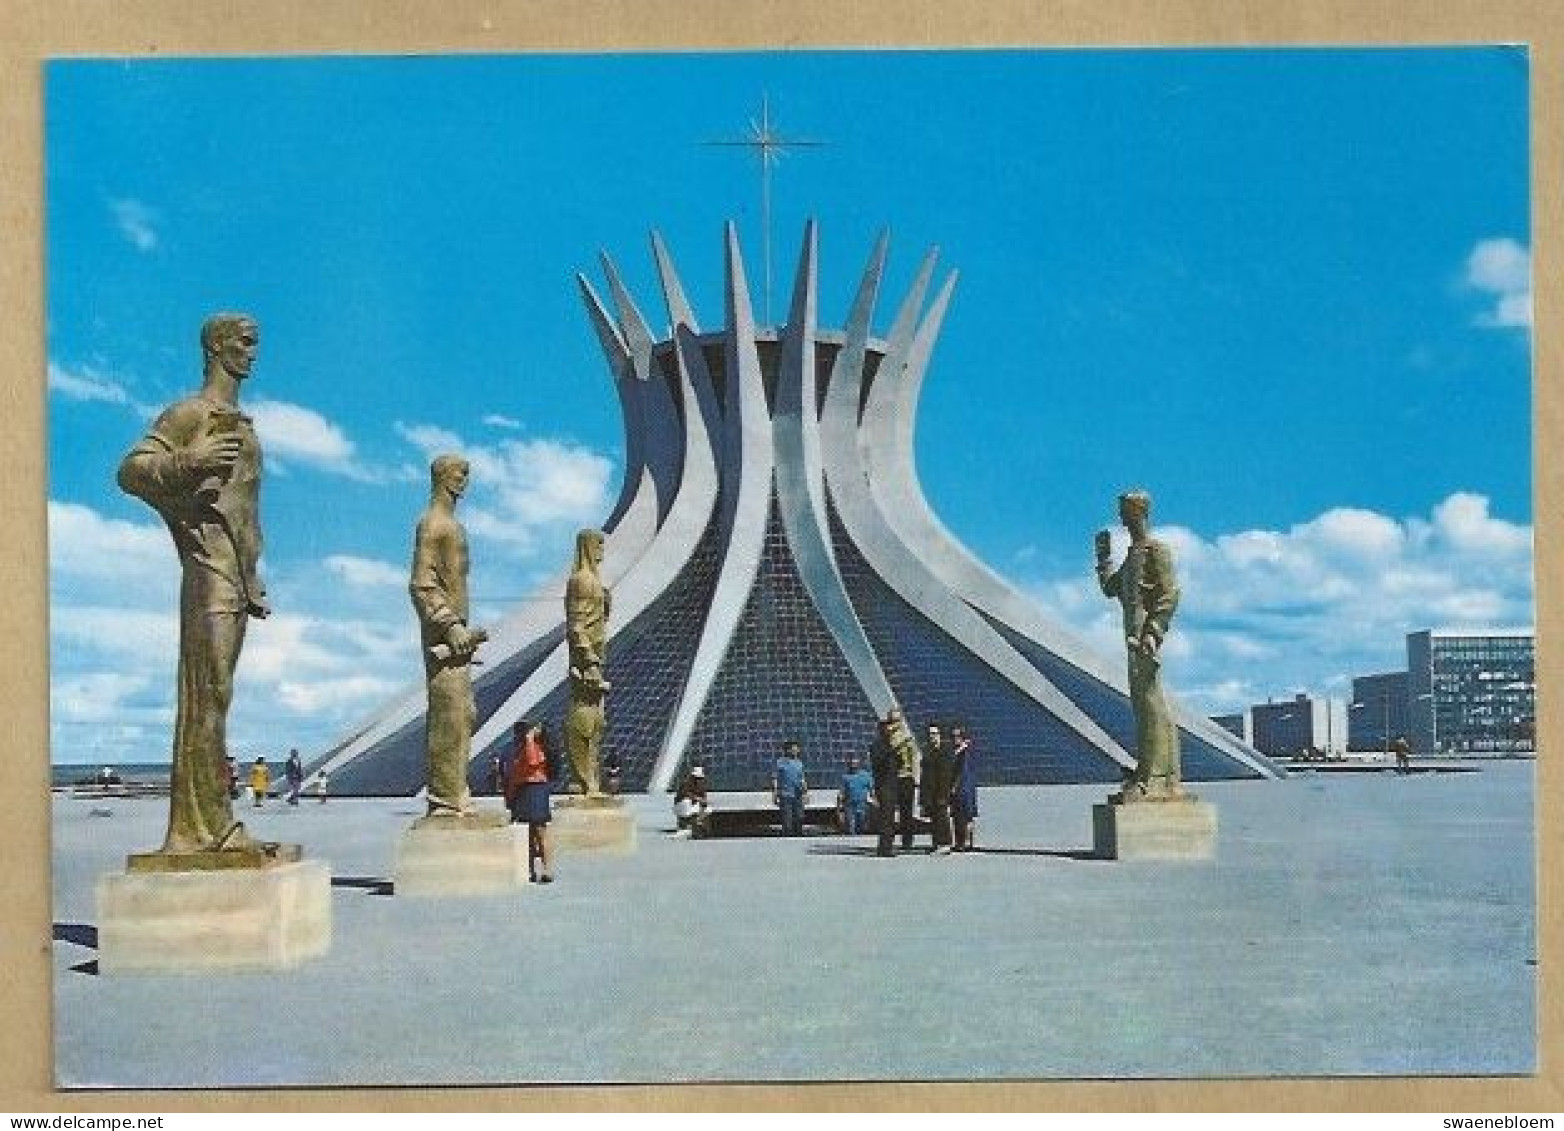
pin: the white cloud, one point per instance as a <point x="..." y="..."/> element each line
<point x="290" y="432"/>
<point x="355" y="693"/>
<point x="428" y="438"/>
<point x="366" y="572"/>
<point x="84" y="544"/>
<point x="301" y="679"/>
<point x="126" y="640"/>
<point x="96" y="697"/>
<point x="1501" y="268"/>
<point x="301" y="433"/>
<point x="1265" y="612"/>
<point x="136" y="222"/>
<point x="495" y="420"/>
<point x="86" y="385"/>
<point x="114" y="641"/>
<point x="1355" y="533"/>
<point x="523" y="492"/>
<point x="1464" y="523"/>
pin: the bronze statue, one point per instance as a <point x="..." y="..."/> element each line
<point x="587" y="605"/>
<point x="1146" y="587"/>
<point x="439" y="591"/>
<point x="200" y="469"/>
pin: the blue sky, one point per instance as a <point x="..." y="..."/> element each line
<point x="1287" y="291"/>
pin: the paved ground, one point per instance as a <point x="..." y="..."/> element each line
<point x="1350" y="925"/>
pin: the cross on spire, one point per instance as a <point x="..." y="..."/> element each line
<point x="769" y="146"/>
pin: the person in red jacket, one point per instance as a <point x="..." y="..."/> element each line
<point x="527" y="790"/>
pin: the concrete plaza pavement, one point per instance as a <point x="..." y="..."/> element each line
<point x="1350" y="925"/>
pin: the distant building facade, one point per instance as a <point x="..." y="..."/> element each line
<point x="1378" y="712"/>
<point x="1290" y="728"/>
<point x="1472" y="693"/>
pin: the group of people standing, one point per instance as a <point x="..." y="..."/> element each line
<point x="940" y="779"/>
<point x="259" y="783"/>
<point x="901" y="781"/>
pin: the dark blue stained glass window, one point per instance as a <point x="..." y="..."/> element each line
<point x="492" y="686"/>
<point x="393" y="767"/>
<point x="783" y="677"/>
<point x="1201" y="761"/>
<point x="937" y="679"/>
<point x="648" y="662"/>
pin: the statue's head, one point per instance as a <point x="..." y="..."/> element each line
<point x="449" y="473"/>
<point x="1135" y="505"/>
<point x="589" y="549"/>
<point x="231" y="340"/>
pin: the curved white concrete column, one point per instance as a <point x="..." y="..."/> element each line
<point x="653" y="571"/>
<point x="699" y="463"/>
<point x="745" y="498"/>
<point x="628" y="531"/>
<point x="886" y="439"/>
<point x="661" y="445"/>
<point x="800" y="479"/>
<point x="895" y="562"/>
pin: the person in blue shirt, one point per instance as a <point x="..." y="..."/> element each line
<point x="789" y="789"/>
<point x="853" y="798"/>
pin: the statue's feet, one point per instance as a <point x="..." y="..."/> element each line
<point x="447" y="806"/>
<point x="1132" y="792"/>
<point x="1156" y="790"/>
<point x="234" y="839"/>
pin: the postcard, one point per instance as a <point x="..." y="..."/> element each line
<point x="797" y="566"/>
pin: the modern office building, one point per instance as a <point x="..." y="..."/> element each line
<point x="1378" y="712"/>
<point x="1288" y="729"/>
<point x="1472" y="692"/>
<point x="777" y="573"/>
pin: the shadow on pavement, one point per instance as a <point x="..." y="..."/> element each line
<point x="921" y="850"/>
<point x="82" y="934"/>
<point x="1058" y="853"/>
<point x="79" y="934"/>
<point x="374" y="885"/>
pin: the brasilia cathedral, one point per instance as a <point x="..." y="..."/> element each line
<point x="777" y="573"/>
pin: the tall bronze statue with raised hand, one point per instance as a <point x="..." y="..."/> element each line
<point x="199" y="467"/>
<point x="1147" y="589"/>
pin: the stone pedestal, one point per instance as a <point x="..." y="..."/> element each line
<point x="1180" y="829"/>
<point x="471" y="854"/>
<point x="157" y="920"/>
<point x="591" y="824"/>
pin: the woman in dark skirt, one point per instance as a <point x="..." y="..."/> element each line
<point x="527" y="793"/>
